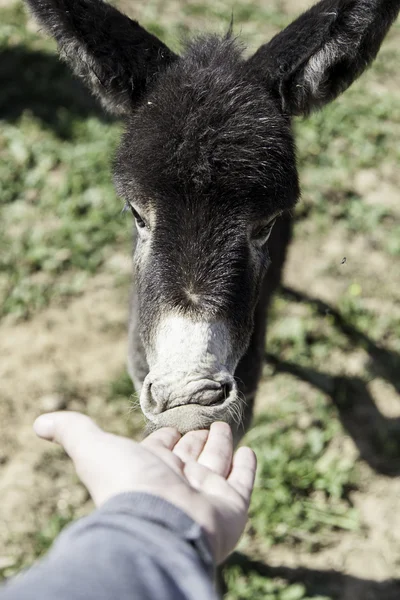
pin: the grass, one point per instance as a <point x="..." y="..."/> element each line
<point x="54" y="172"/>
<point x="249" y="586"/>
<point x="46" y="536"/>
<point x="301" y="485"/>
<point x="62" y="221"/>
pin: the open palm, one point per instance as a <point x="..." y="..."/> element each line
<point x="198" y="472"/>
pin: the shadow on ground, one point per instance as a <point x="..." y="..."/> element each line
<point x="376" y="436"/>
<point x="318" y="582"/>
<point x="40" y="83"/>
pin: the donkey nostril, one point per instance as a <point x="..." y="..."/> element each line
<point x="222" y="395"/>
<point x="226" y="390"/>
<point x="152" y="396"/>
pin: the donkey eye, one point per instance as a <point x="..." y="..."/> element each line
<point x="139" y="221"/>
<point x="261" y="234"/>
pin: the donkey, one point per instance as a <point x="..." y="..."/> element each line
<point x="207" y="166"/>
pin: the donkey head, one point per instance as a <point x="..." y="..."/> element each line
<point x="207" y="164"/>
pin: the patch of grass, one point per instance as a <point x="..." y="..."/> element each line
<point x="121" y="393"/>
<point x="59" y="211"/>
<point x="307" y="337"/>
<point x="302" y="494"/>
<point x="44" y="539"/>
<point x="360" y="130"/>
<point x="357" y="130"/>
<point x="121" y="387"/>
<point x="39" y="543"/>
<point x="252" y="586"/>
<point x="302" y="483"/>
<point x="377" y="328"/>
<point x="220" y="13"/>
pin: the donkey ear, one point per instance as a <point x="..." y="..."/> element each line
<point x="321" y="53"/>
<point x="115" y="56"/>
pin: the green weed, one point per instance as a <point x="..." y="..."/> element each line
<point x="301" y="486"/>
<point x="252" y="586"/>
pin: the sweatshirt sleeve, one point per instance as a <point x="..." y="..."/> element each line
<point x="136" y="546"/>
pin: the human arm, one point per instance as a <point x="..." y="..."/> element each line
<point x="138" y="544"/>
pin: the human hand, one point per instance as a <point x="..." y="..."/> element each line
<point x="197" y="472"/>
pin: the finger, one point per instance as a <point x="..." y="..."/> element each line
<point x="166" y="437"/>
<point x="168" y="457"/>
<point x="70" y="429"/>
<point x="243" y="472"/>
<point x="191" y="445"/>
<point x="217" y="452"/>
<point x="204" y="480"/>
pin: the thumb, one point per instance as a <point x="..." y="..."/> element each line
<point x="71" y="430"/>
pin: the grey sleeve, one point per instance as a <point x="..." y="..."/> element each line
<point x="135" y="547"/>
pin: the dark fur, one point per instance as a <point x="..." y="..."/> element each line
<point x="115" y="56"/>
<point x="347" y="35"/>
<point x="224" y="156"/>
<point x="208" y="145"/>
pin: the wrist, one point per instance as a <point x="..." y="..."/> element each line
<point x="156" y="509"/>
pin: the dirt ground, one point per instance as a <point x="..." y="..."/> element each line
<point x="363" y="564"/>
<point x="61" y="359"/>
